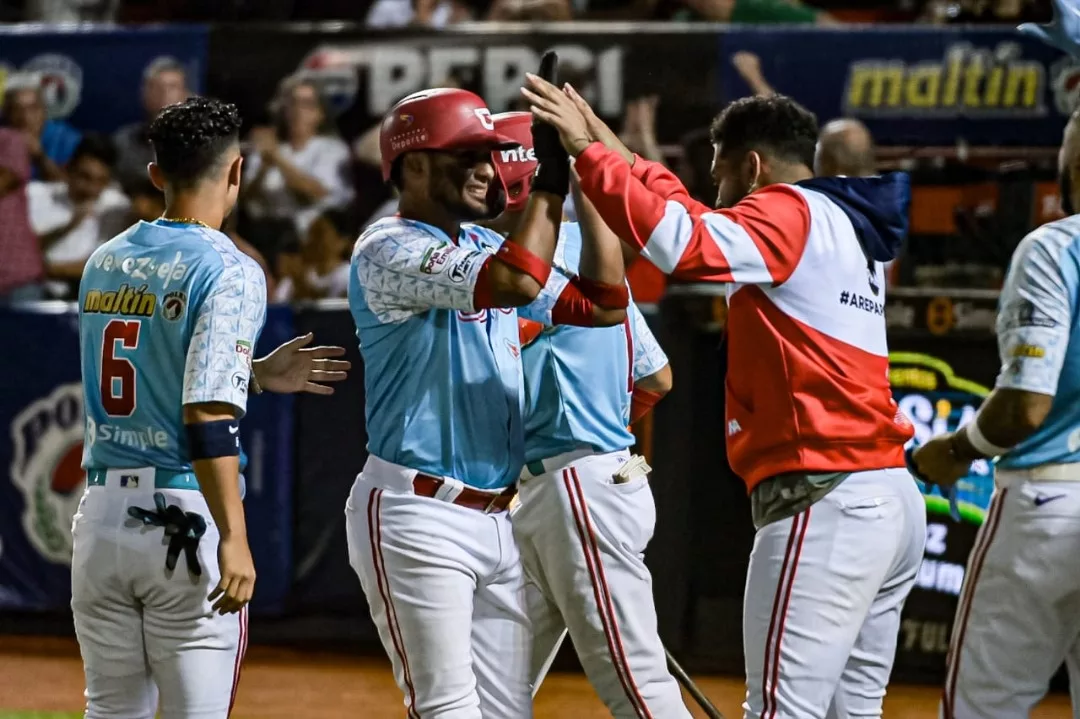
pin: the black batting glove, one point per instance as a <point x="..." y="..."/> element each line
<point x="553" y="171"/>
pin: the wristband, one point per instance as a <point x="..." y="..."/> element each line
<point x="521" y="259"/>
<point x="612" y="297"/>
<point x="209" y="440"/>
<point x="641" y="402"/>
<point x="979" y="442"/>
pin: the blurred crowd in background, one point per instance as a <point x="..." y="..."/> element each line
<point x="308" y="191"/>
<point x="444" y="13"/>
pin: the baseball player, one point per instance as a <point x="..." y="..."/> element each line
<point x="169" y="312"/>
<point x="586" y="511"/>
<point x="1020" y="604"/>
<point x="811" y="423"/>
<point x="434" y="299"/>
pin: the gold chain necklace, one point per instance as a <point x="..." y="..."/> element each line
<point x="185" y="221"/>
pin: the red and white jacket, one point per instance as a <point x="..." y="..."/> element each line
<point x="807" y="386"/>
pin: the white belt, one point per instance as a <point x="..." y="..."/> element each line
<point x="1043" y="473"/>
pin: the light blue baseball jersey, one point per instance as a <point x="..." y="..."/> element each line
<point x="578" y="380"/>
<point x="444" y="390"/>
<point x="1038" y="331"/>
<point x="169" y="315"/>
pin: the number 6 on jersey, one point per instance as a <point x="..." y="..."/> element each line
<point x="118" y="373"/>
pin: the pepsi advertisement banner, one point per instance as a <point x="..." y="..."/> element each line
<point x="363" y="72"/>
<point x="92" y="77"/>
<point x="41" y="478"/>
<point x="912" y="85"/>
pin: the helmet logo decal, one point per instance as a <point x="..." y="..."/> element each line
<point x="484" y="115"/>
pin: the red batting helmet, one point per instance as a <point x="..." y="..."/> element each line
<point x="515" y="166"/>
<point x="439" y="119"/>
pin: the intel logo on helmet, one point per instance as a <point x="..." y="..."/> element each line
<point x="518" y="154"/>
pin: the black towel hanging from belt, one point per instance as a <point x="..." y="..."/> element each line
<point x="184" y="530"/>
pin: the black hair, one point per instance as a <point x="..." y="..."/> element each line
<point x="775" y="125"/>
<point x="190" y="138"/>
<point x="343" y="221"/>
<point x="98" y="147"/>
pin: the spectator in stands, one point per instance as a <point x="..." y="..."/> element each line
<point x="164" y="83"/>
<point x="1012" y="12"/>
<point x="845" y="147"/>
<point x="299" y="168"/>
<point x="73" y="217"/>
<point x="21" y="267"/>
<point x="323" y="269"/>
<point x="639" y="128"/>
<point x="417" y="13"/>
<point x="71" y="11"/>
<point x="748" y="65"/>
<point x="147" y="202"/>
<point x="530" y="11"/>
<point x="50" y="142"/>
<point x="756" y="12"/>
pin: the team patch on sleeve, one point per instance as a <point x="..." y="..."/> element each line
<point x="434" y="259"/>
<point x="1029" y="315"/>
<point x="462" y="267"/>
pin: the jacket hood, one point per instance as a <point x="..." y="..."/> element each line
<point x="877" y="207"/>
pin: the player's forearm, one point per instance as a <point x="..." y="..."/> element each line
<point x="219" y="480"/>
<point x="539" y="227"/>
<point x="519" y="270"/>
<point x="611" y="186"/>
<point x="601" y="249"/>
<point x="1006" y="419"/>
<point x="214" y="447"/>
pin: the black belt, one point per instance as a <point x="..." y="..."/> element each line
<point x="184" y="530"/>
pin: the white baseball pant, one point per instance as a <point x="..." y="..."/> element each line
<point x="149" y="639"/>
<point x="823" y="598"/>
<point x="582" y="539"/>
<point x="446" y="591"/>
<point x="1019" y="613"/>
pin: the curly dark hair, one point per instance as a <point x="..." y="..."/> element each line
<point x="191" y="138"/>
<point x="775" y="125"/>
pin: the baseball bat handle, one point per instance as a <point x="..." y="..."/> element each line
<point x="688" y="684"/>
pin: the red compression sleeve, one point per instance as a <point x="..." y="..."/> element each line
<point x="641" y="402"/>
<point x="483" y="297"/>
<point x="573" y="308"/>
<point x="521" y="259"/>
<point x="612" y="297"/>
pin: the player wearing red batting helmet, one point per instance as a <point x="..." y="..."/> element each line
<point x="513" y="165"/>
<point x="433" y="297"/>
<point x="443" y="138"/>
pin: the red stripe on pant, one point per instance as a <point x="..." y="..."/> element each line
<point x="241" y="651"/>
<point x="381" y="580"/>
<point x="785" y="583"/>
<point x="601" y="593"/>
<point x="978" y="556"/>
